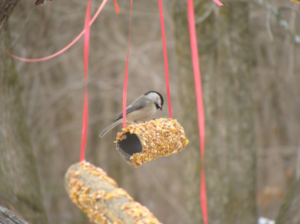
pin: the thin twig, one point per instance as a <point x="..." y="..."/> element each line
<point x="283" y="23"/>
<point x="269" y="27"/>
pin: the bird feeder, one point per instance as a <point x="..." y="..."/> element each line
<point x="147" y="141"/>
<point x="98" y="195"/>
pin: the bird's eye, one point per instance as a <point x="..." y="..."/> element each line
<point x="157" y="106"/>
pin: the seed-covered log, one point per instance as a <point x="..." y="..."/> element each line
<point x="98" y="195"/>
<point x="144" y="142"/>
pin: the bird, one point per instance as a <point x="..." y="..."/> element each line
<point x="140" y="110"/>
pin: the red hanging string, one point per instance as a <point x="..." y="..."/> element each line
<point x="126" y="72"/>
<point x="200" y="109"/>
<point x="86" y="64"/>
<point x="163" y="35"/>
<point x="65" y="48"/>
<point x="116" y="6"/>
<point x="218" y="2"/>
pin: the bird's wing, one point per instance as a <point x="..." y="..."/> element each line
<point x="136" y="105"/>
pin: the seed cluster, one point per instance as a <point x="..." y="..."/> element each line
<point x="98" y="195"/>
<point x="136" y="210"/>
<point x="159" y="137"/>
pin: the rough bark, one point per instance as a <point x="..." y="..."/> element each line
<point x="230" y="154"/>
<point x="289" y="212"/>
<point x="6" y="9"/>
<point x="234" y="62"/>
<point x="19" y="188"/>
<point x="7" y="217"/>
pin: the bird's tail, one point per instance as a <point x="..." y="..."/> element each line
<point x="111" y="126"/>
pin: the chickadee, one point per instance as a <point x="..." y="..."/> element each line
<point x="140" y="110"/>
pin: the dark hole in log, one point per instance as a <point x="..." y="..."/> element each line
<point x="127" y="147"/>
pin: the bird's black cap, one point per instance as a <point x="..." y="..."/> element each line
<point x="161" y="97"/>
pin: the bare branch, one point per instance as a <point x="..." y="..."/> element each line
<point x="283" y="23"/>
<point x="6" y="8"/>
<point x="7" y="217"/>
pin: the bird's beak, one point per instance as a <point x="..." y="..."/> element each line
<point x="160" y="108"/>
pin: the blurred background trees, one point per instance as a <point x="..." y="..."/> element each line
<point x="19" y="183"/>
<point x="225" y="61"/>
<point x="249" y="62"/>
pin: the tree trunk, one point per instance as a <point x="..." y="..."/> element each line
<point x="6" y="8"/>
<point x="289" y="212"/>
<point x="230" y="154"/>
<point x="19" y="188"/>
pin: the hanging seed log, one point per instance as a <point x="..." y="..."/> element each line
<point x="144" y="142"/>
<point x="98" y="195"/>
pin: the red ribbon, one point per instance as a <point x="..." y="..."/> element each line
<point x="116" y="6"/>
<point x="86" y="64"/>
<point x="200" y="109"/>
<point x="65" y="48"/>
<point x="163" y="35"/>
<point x="126" y="72"/>
<point x="218" y="2"/>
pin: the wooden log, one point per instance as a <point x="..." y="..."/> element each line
<point x="98" y="195"/>
<point x="147" y="141"/>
